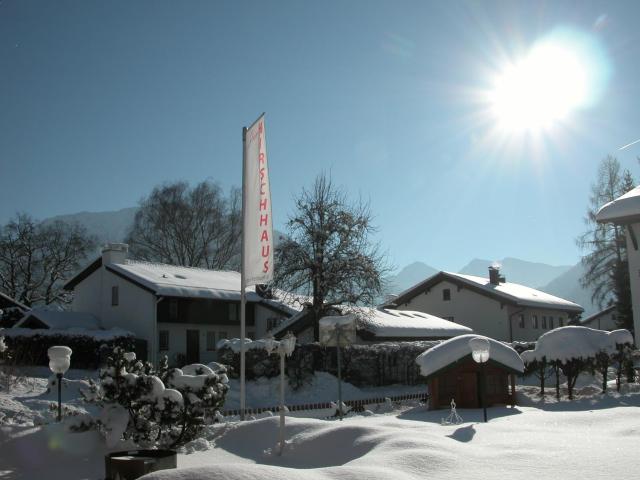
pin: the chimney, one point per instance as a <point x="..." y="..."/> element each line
<point x="114" y="253"/>
<point x="494" y="275"/>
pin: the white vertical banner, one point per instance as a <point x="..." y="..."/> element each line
<point x="257" y="226"/>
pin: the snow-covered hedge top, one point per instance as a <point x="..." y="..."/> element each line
<point x="566" y="343"/>
<point x="456" y="348"/>
<point x="624" y="208"/>
<point x="101" y="335"/>
<point x="234" y="344"/>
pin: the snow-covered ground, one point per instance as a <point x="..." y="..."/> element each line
<point x="594" y="436"/>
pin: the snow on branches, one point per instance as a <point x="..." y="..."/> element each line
<point x="166" y="407"/>
<point x="573" y="349"/>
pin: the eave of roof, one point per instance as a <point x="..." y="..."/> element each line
<point x="84" y="273"/>
<point x="590" y="318"/>
<point x="14" y="301"/>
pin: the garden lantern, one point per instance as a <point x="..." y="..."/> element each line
<point x="59" y="362"/>
<point x="480" y="351"/>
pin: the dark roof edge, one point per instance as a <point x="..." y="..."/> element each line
<point x="84" y="273"/>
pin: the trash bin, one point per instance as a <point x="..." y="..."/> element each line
<point x="131" y="464"/>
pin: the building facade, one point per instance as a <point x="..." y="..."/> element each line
<point x="489" y="306"/>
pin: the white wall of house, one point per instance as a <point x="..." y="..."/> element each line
<point x="485" y="315"/>
<point x="478" y="312"/>
<point x="634" y="275"/>
<point x="606" y="321"/>
<point x="529" y="323"/>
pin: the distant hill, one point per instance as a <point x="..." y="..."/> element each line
<point x="106" y="226"/>
<point x="531" y="274"/>
<point x="568" y="286"/>
<point x="409" y="276"/>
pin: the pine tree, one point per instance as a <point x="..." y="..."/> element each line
<point x="605" y="261"/>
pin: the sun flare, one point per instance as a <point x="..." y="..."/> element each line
<point x="554" y="79"/>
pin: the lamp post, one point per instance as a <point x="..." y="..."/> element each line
<point x="480" y="349"/>
<point x="285" y="347"/>
<point x="59" y="362"/>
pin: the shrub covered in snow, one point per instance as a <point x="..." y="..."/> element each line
<point x="573" y="349"/>
<point x="163" y="407"/>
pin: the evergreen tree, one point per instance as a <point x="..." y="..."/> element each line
<point x="605" y="260"/>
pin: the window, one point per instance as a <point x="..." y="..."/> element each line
<point x="534" y="321"/>
<point x="114" y="296"/>
<point x="223" y="335"/>
<point x="521" y="321"/>
<point x="551" y="323"/>
<point x="173" y="309"/>
<point x="251" y="335"/>
<point x="163" y="340"/>
<point x="211" y="341"/>
<point x="233" y="312"/>
<point x="446" y="294"/>
<point x="544" y="321"/>
<point x="560" y="322"/>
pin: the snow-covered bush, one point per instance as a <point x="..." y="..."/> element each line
<point x="572" y="350"/>
<point x="164" y="407"/>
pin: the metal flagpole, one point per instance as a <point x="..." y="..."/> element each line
<point x="242" y="279"/>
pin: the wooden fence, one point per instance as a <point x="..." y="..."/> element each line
<point x="356" y="405"/>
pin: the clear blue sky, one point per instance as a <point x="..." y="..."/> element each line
<point x="100" y="101"/>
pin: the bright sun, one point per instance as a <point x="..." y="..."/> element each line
<point x="554" y="79"/>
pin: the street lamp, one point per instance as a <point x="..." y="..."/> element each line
<point x="285" y="347"/>
<point x="480" y="349"/>
<point x="59" y="361"/>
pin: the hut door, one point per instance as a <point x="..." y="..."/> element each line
<point x="468" y="390"/>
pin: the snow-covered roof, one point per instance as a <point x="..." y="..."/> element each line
<point x="512" y="292"/>
<point x="624" y="209"/>
<point x="60" y="319"/>
<point x="565" y="343"/>
<point x="176" y="281"/>
<point x="454" y="349"/>
<point x="406" y="324"/>
<point x="388" y="323"/>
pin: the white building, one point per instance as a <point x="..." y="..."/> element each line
<point x="603" y="320"/>
<point x="489" y="306"/>
<point x="181" y="312"/>
<point x="626" y="211"/>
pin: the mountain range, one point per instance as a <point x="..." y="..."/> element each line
<point x="562" y="280"/>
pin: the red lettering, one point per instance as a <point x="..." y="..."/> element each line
<point x="262" y="173"/>
<point x="261" y="157"/>
<point x="265" y="236"/>
<point x="263" y="204"/>
<point x="265" y="266"/>
<point x="262" y="192"/>
<point x="268" y="249"/>
<point x="264" y="219"/>
<point x="260" y="127"/>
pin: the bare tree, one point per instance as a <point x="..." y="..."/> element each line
<point x="195" y="227"/>
<point x="37" y="258"/>
<point x="605" y="260"/>
<point x="328" y="254"/>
